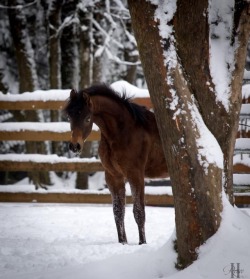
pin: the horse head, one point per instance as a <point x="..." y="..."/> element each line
<point x="79" y="112"/>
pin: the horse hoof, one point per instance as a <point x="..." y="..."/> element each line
<point x="142" y="242"/>
<point x="123" y="242"/>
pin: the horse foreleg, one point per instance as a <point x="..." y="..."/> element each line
<point x="137" y="188"/>
<point x="117" y="189"/>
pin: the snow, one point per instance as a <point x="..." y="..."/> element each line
<point x="246" y="91"/>
<point x="38" y="95"/>
<point x="67" y="185"/>
<point x="242" y="179"/>
<point x="229" y="245"/>
<point x="209" y="151"/>
<point x="59" y="127"/>
<point x="242" y="143"/>
<point x="242" y="159"/>
<point x="245" y="108"/>
<point x="246" y="74"/>
<point x="53" y="158"/>
<point x="220" y="14"/>
<point x="131" y="90"/>
<point x="43" y="241"/>
<point x="164" y="13"/>
<point x="63" y="94"/>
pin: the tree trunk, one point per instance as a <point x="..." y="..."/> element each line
<point x="86" y="76"/>
<point x="86" y="48"/>
<point x="130" y="55"/>
<point x="223" y="123"/>
<point x="69" y="53"/>
<point x="54" y="44"/>
<point x="23" y="48"/>
<point x="27" y="76"/>
<point x="55" y="61"/>
<point x="192" y="122"/>
<point x="98" y="39"/>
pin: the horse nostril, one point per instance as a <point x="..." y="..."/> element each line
<point x="74" y="147"/>
<point x="78" y="147"/>
<point x="71" y="146"/>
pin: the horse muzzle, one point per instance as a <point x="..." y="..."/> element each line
<point x="76" y="148"/>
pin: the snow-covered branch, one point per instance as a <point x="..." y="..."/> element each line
<point x="119" y="61"/>
<point x="108" y="36"/>
<point x="18" y="6"/>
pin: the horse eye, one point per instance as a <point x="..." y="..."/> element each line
<point x="87" y="119"/>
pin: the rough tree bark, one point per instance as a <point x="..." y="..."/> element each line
<point x="188" y="113"/>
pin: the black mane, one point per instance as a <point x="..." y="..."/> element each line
<point x="139" y="113"/>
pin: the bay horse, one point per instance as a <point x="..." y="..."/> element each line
<point x="130" y="147"/>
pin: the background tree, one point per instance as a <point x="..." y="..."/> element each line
<point x="54" y="63"/>
<point x="28" y="79"/>
<point x="196" y="106"/>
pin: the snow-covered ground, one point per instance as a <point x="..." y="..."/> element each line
<point x="45" y="241"/>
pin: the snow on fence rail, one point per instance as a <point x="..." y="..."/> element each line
<point x="35" y="162"/>
<point x="54" y="131"/>
<point x="160" y="196"/>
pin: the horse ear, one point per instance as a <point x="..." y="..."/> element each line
<point x="87" y="99"/>
<point x="73" y="93"/>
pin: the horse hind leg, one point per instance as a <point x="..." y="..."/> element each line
<point x="117" y="189"/>
<point x="139" y="215"/>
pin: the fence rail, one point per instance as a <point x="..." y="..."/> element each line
<point x="89" y="198"/>
<point x="46" y="134"/>
<point x="67" y="165"/>
<point x="26" y="163"/>
<point x="34" y="104"/>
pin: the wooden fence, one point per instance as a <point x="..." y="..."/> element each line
<point x="61" y="132"/>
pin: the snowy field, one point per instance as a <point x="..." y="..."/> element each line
<point x="45" y="241"/>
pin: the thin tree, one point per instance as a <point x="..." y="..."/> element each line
<point x="86" y="75"/>
<point x="54" y="19"/>
<point x="28" y="80"/>
<point x="197" y="119"/>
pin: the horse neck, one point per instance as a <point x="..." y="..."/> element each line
<point x="109" y="115"/>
